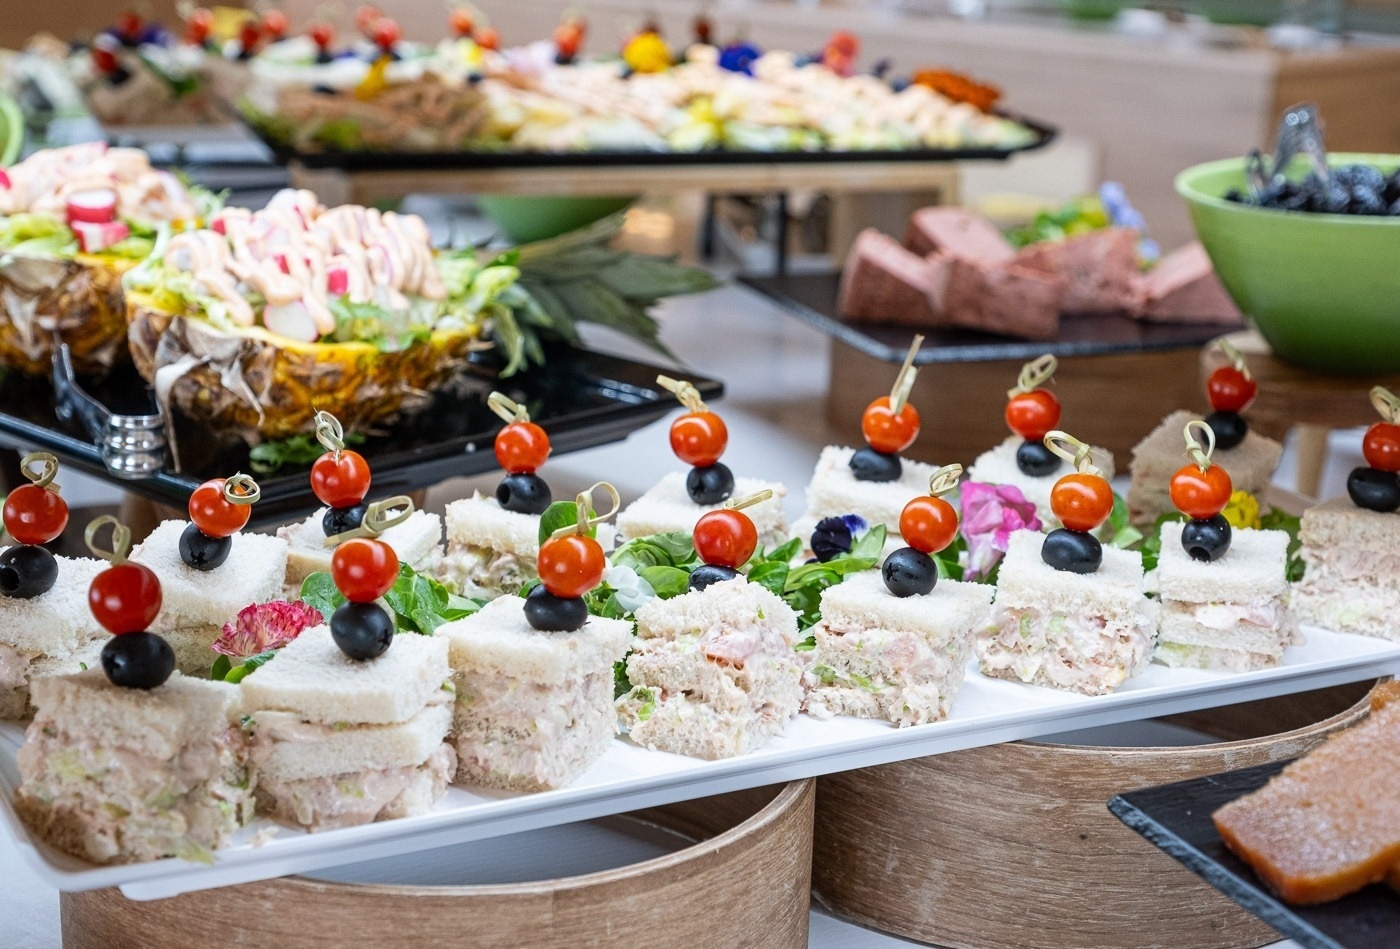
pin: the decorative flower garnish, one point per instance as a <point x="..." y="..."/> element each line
<point x="991" y="513"/>
<point x="264" y="627"/>
<point x="631" y="590"/>
<point x="836" y="535"/>
<point x="1121" y="213"/>
<point x="1242" y="511"/>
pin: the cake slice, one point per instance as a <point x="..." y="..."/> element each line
<point x="534" y="709"/>
<point x="714" y="673"/>
<point x="53" y="633"/>
<point x="834" y="491"/>
<point x="1351" y="583"/>
<point x="901" y="659"/>
<point x="666" y="508"/>
<point x="1086" y="633"/>
<point x="197" y="603"/>
<point x="341" y="742"/>
<point x="417" y="541"/>
<point x="117" y="775"/>
<point x="1157" y="457"/>
<point x="1230" y="614"/>
<point x="998" y="466"/>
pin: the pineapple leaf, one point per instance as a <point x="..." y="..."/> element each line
<point x="561" y="320"/>
<point x="505" y="329"/>
<point x="647" y="279"/>
<point x="599" y="233"/>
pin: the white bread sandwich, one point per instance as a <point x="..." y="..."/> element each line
<point x="998" y="466"/>
<point x="667" y="508"/>
<point x="197" y="603"/>
<point x="490" y="551"/>
<point x="714" y="673"/>
<point x="51" y="634"/>
<point x="339" y="742"/>
<point x="534" y="710"/>
<point x="417" y="541"/>
<point x="1156" y="458"/>
<point x="1229" y="614"/>
<point x="834" y="491"/>
<point x="1086" y="633"/>
<point x="119" y="775"/>
<point x="1351" y="581"/>
<point x="901" y="659"/>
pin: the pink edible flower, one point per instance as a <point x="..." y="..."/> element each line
<point x="991" y="513"/>
<point x="265" y="626"/>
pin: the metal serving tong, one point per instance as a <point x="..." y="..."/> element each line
<point x="1299" y="133"/>
<point x="131" y="446"/>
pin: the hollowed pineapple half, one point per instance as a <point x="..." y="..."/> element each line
<point x="80" y="299"/>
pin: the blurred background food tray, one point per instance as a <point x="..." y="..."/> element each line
<point x="583" y="398"/>
<point x="1177" y="818"/>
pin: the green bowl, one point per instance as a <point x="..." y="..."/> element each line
<point x="526" y="218"/>
<point x="1323" y="289"/>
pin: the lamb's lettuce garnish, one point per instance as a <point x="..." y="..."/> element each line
<point x="225" y="670"/>
<point x="420" y="604"/>
<point x="268" y="457"/>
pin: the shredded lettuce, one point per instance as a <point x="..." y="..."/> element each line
<point x="36" y="235"/>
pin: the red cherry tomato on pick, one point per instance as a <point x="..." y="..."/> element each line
<point x="1382" y="446"/>
<point x="1081" y="501"/>
<point x="214" y="514"/>
<point x="522" y="447"/>
<point x="699" y="438"/>
<point x="342" y="481"/>
<point x="887" y="432"/>
<point x="928" y="524"/>
<point x="1201" y="494"/>
<point x="364" y="569"/>
<point x="1230" y="390"/>
<point x="35" y="515"/>
<point x="125" y="598"/>
<point x="571" y="565"/>
<point x="725" y="538"/>
<point x="1032" y="414"/>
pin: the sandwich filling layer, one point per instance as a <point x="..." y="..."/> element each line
<point x="358" y="797"/>
<point x="1089" y="653"/>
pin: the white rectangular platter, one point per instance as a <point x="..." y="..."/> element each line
<point x="987" y="711"/>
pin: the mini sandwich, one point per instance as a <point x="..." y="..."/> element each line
<point x="51" y="634"/>
<point x="667" y="507"/>
<point x="999" y="466"/>
<point x="340" y="742"/>
<point x="901" y="659"/>
<point x="417" y="541"/>
<point x="197" y="603"/>
<point x="1082" y="632"/>
<point x="123" y="775"/>
<point x="835" y="490"/>
<point x="534" y="709"/>
<point x="1229" y="614"/>
<point x="714" y="673"/>
<point x="490" y="551"/>
<point x="1351" y="581"/>
<point x="1251" y="464"/>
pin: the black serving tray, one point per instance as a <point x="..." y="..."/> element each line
<point x="812" y="299"/>
<point x="505" y="159"/>
<point x="1176" y="817"/>
<point x="582" y="398"/>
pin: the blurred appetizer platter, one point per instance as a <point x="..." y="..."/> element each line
<point x="354" y="686"/>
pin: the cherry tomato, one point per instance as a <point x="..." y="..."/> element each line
<point x="321" y="33"/>
<point x="386" y="33"/>
<point x="928" y="524"/>
<point x="886" y="432"/>
<point x="1032" y="414"/>
<point x="521" y="447"/>
<point x="35" y="515"/>
<point x="725" y="538"/>
<point x="1382" y="446"/>
<point x="104" y="59"/>
<point x="1201" y="494"/>
<point x="462" y="22"/>
<point x="199" y="25"/>
<point x="488" y="37"/>
<point x="571" y="565"/>
<point x="125" y="598"/>
<point x="129" y="25"/>
<point x="275" y="24"/>
<point x="340" y="482"/>
<point x="366" y="15"/>
<point x="364" y="569"/>
<point x="699" y="438"/>
<point x="1081" y="501"/>
<point x="214" y="514"/>
<point x="1230" y="390"/>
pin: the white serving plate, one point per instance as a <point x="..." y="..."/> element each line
<point x="987" y="711"/>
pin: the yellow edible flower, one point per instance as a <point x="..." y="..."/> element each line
<point x="647" y="52"/>
<point x="1243" y="510"/>
<point x="375" y="80"/>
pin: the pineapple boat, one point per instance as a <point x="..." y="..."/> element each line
<point x="253" y="324"/>
<point x="73" y="220"/>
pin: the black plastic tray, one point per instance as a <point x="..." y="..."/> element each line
<point x="812" y="299"/>
<point x="1176" y="817"/>
<point x="583" y="398"/>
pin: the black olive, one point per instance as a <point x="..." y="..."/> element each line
<point x="1229" y="428"/>
<point x="523" y="494"/>
<point x="27" y="571"/>
<point x="709" y="573"/>
<point x="1373" y="489"/>
<point x="339" y="520"/>
<point x="1073" y="551"/>
<point x="554" y="614"/>
<point x="712" y="484"/>
<point x="138" y="660"/>
<point x="362" y="630"/>
<point x="867" y="464"/>
<point x="1206" y="540"/>
<point x="202" y="552"/>
<point x="909" y="572"/>
<point x="1036" y="460"/>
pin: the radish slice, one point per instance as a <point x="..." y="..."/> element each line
<point x="292" y="320"/>
<point x="94" y="238"/>
<point x="281" y="261"/>
<point x="218" y="226"/>
<point x="5" y="180"/>
<point x="93" y="206"/>
<point x="338" y="281"/>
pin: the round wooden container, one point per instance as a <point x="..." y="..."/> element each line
<point x="745" y="883"/>
<point x="1013" y="845"/>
